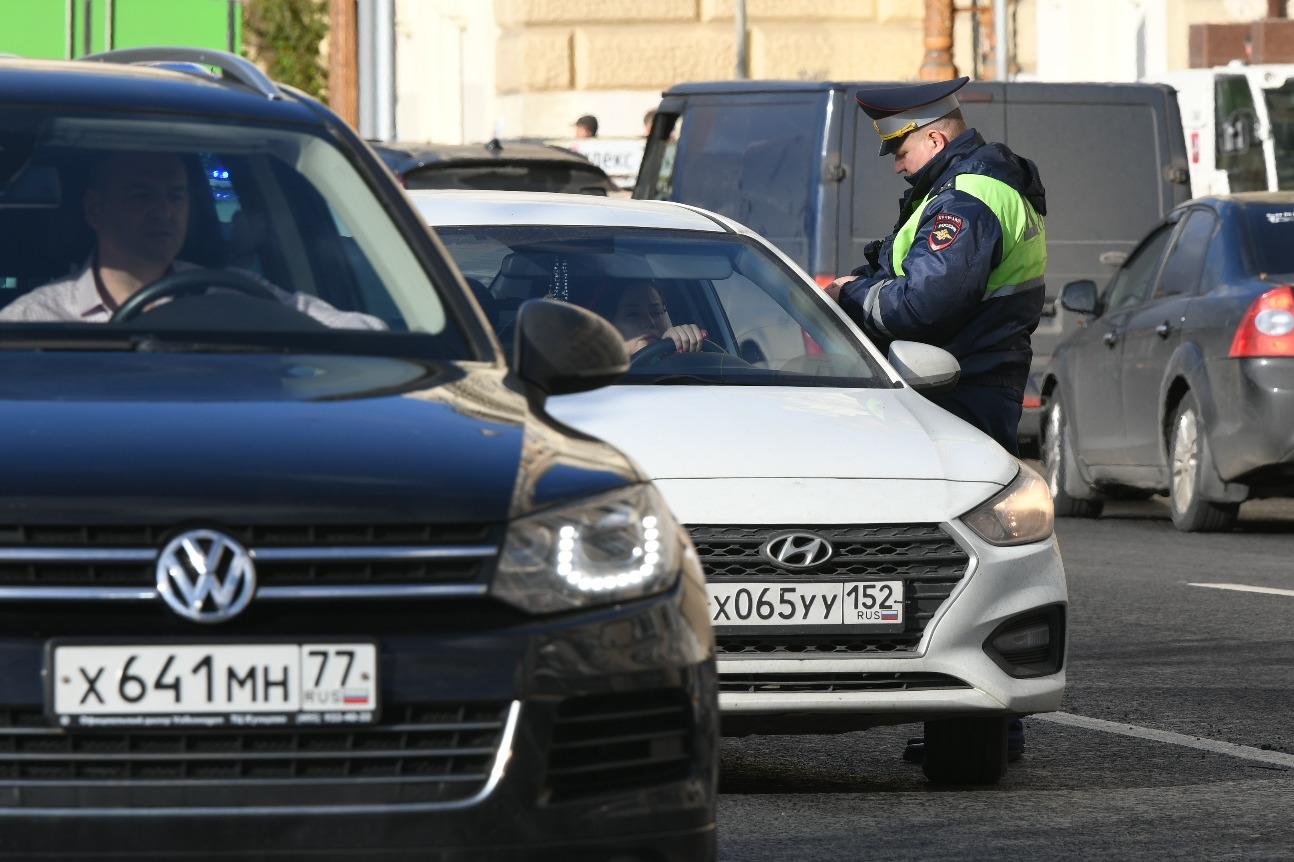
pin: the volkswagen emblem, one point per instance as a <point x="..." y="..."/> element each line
<point x="797" y="551"/>
<point x="205" y="576"/>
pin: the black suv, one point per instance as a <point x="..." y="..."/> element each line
<point x="291" y="562"/>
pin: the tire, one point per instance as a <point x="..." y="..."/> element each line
<point x="1188" y="462"/>
<point x="1059" y="467"/>
<point x="965" y="750"/>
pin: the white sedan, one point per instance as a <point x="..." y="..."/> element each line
<point x="871" y="559"/>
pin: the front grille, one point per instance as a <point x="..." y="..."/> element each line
<point x="293" y="555"/>
<point x="814" y="645"/>
<point x="427" y="753"/>
<point x="259" y="535"/>
<point x="924" y="556"/>
<point x="825" y="683"/>
<point x="611" y="742"/>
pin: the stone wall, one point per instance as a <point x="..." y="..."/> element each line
<point x="558" y="59"/>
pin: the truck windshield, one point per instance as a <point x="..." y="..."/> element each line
<point x="744" y="318"/>
<point x="1280" y="109"/>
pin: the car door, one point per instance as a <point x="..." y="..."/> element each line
<point x="1097" y="408"/>
<point x="1153" y="331"/>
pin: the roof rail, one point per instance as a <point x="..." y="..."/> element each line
<point x="231" y="66"/>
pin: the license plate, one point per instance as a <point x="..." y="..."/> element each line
<point x="212" y="685"/>
<point x="877" y="605"/>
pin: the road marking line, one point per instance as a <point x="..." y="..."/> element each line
<point x="1246" y="752"/>
<point x="1245" y="588"/>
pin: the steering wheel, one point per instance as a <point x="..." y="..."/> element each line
<point x="654" y="353"/>
<point x="187" y="283"/>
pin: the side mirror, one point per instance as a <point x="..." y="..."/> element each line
<point x="1079" y="297"/>
<point x="926" y="368"/>
<point x="561" y="348"/>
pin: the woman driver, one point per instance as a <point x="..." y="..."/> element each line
<point x="638" y="312"/>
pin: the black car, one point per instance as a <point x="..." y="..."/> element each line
<point x="292" y="564"/>
<point x="518" y="166"/>
<point x="1181" y="381"/>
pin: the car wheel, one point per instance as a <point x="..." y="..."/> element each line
<point x="1058" y="464"/>
<point x="1188" y="461"/>
<point x="965" y="750"/>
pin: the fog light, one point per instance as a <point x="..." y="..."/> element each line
<point x="1031" y="644"/>
<point x="1023" y="640"/>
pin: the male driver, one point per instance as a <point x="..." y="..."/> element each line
<point x="137" y="204"/>
<point x="963" y="268"/>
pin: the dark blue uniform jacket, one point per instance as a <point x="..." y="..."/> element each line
<point x="940" y="298"/>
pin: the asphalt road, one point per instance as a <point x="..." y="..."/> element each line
<point x="1190" y="754"/>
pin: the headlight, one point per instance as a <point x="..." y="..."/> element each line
<point x="1020" y="514"/>
<point x="613" y="547"/>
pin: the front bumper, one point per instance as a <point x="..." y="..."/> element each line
<point x="948" y="673"/>
<point x="590" y="684"/>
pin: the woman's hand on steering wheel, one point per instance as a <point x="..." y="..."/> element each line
<point x="657" y="350"/>
<point x="686" y="338"/>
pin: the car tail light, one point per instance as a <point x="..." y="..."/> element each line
<point x="1268" y="326"/>
<point x="1032" y="401"/>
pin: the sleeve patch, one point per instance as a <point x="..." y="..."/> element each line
<point x="946" y="229"/>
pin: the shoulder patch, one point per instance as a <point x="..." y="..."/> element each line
<point x="946" y="229"/>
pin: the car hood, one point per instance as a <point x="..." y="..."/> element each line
<point x="722" y="432"/>
<point x="247" y="438"/>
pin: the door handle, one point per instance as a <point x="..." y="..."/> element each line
<point x="1110" y="338"/>
<point x="1164" y="329"/>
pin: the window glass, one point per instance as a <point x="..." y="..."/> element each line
<point x="1239" y="149"/>
<point x="269" y="213"/>
<point x="1185" y="262"/>
<point x="560" y="177"/>
<point x="1271" y="237"/>
<point x="763" y="324"/>
<point x="1280" y="111"/>
<point x="756" y="163"/>
<point x="1132" y="283"/>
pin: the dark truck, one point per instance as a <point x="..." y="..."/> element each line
<point x="796" y="161"/>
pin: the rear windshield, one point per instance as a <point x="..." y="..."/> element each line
<point x="530" y="177"/>
<point x="1271" y="236"/>
<point x="754" y="320"/>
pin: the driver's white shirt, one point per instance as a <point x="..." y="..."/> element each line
<point x="79" y="299"/>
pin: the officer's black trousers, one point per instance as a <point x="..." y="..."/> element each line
<point x="995" y="410"/>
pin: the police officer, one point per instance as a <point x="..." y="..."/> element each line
<point x="963" y="268"/>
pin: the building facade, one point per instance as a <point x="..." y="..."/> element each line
<point x="469" y="70"/>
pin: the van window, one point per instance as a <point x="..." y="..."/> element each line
<point x="756" y="163"/>
<point x="1280" y="111"/>
<point x="1240" y="152"/>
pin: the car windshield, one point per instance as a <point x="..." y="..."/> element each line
<point x="265" y="236"/>
<point x="749" y="318"/>
<point x="1271" y="236"/>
